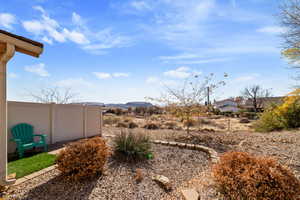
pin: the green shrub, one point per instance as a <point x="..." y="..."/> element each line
<point x="205" y="121"/>
<point x="250" y="115"/>
<point x="127" y="120"/>
<point x="291" y="116"/>
<point x="285" y="116"/>
<point x="152" y="126"/>
<point x="227" y="113"/>
<point x="132" y="125"/>
<point x="132" y="145"/>
<point x="122" y="125"/>
<point x="268" y="121"/>
<point x="110" y="120"/>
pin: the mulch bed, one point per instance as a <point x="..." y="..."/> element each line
<point x="179" y="165"/>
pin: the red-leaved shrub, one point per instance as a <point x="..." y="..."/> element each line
<point x="241" y="176"/>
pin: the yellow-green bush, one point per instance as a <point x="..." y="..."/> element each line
<point x="268" y="121"/>
<point x="284" y="116"/>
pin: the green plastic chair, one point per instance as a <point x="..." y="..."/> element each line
<point x="24" y="138"/>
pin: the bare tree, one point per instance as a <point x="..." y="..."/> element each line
<point x="54" y="95"/>
<point x="290" y="20"/>
<point x="256" y="95"/>
<point x="188" y="100"/>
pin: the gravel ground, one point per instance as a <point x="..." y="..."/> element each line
<point x="179" y="165"/>
<point x="283" y="145"/>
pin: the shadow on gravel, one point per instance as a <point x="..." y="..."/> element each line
<point x="118" y="161"/>
<point x="61" y="189"/>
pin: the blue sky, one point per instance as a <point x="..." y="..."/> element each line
<point x="125" y="50"/>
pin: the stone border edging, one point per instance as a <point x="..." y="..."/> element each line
<point x="213" y="155"/>
<point x="33" y="175"/>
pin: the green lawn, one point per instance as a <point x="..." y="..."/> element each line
<point x="26" y="166"/>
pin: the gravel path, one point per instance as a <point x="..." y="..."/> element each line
<point x="179" y="165"/>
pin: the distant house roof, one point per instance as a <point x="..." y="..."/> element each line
<point x="264" y="102"/>
<point x="224" y="101"/>
<point x="22" y="38"/>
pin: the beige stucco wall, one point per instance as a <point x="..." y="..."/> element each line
<point x="60" y="122"/>
<point x="68" y="122"/>
<point x="94" y="122"/>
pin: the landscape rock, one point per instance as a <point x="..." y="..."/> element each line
<point x="244" y="121"/>
<point x="163" y="181"/>
<point x="190" y="194"/>
<point x="2" y="188"/>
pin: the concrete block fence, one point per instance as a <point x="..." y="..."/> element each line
<point x="60" y="122"/>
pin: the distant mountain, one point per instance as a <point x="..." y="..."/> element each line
<point x="139" y="104"/>
<point x="116" y="105"/>
<point x="91" y="103"/>
<point x="130" y="104"/>
<point x="119" y="105"/>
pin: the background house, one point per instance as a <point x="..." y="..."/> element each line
<point x="239" y="103"/>
<point x="226" y="105"/>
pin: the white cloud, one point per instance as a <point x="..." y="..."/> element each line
<point x="140" y="5"/>
<point x="74" y="82"/>
<point x="245" y="78"/>
<point x="75" y="36"/>
<point x="181" y="72"/>
<point x="7" y="20"/>
<point x="33" y="26"/>
<point x="200" y="61"/>
<point x="200" y="25"/>
<point x="38" y="69"/>
<point x="244" y="49"/>
<point x="76" y="19"/>
<point x="155" y="81"/>
<point x="105" y="39"/>
<point x="99" y="41"/>
<point x="152" y="80"/>
<point x="102" y="75"/>
<point x="272" y="30"/>
<point x="120" y="74"/>
<point x="180" y="56"/>
<point x="13" y="75"/>
<point x="168" y="83"/>
<point x="49" y="29"/>
<point x="40" y="8"/>
<point x="180" y="24"/>
<point x="48" y="40"/>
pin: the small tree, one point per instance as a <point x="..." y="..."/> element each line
<point x="187" y="100"/>
<point x="256" y="95"/>
<point x="54" y="95"/>
<point x="290" y="20"/>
